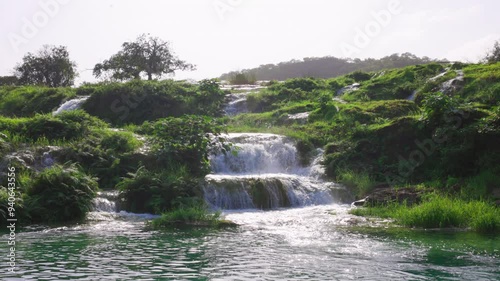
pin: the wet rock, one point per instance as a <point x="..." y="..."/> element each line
<point x="348" y="89"/>
<point x="36" y="159"/>
<point x="453" y="85"/>
<point x="359" y="203"/>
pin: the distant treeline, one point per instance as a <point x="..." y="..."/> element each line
<point x="327" y="67"/>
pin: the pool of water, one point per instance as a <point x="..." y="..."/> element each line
<point x="311" y="243"/>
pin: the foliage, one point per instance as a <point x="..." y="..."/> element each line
<point x="139" y="101"/>
<point x="436" y="105"/>
<point x="440" y="212"/>
<point x="149" y="55"/>
<point x="8" y="81"/>
<point x="493" y="56"/>
<point x="194" y="215"/>
<point x="50" y="67"/>
<point x="26" y="101"/>
<point x="109" y="155"/>
<point x="360" y="183"/>
<point x="188" y="140"/>
<point x="60" y="194"/>
<point x="242" y="78"/>
<point x="147" y="191"/>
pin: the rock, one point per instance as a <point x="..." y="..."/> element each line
<point x="359" y="203"/>
<point x="387" y="195"/>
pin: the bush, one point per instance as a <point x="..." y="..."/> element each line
<point x="188" y="141"/>
<point x="26" y="101"/>
<point x="60" y="194"/>
<point x="242" y="78"/>
<point x="303" y="84"/>
<point x="138" y="101"/>
<point x="156" y="191"/>
<point x="107" y="154"/>
<point x="359" y="76"/>
<point x="193" y="215"/>
<point x="360" y="183"/>
<point x="68" y="125"/>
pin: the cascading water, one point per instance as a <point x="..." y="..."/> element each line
<point x="237" y="103"/>
<point x="266" y="174"/>
<point x="105" y="202"/>
<point x="72" y="104"/>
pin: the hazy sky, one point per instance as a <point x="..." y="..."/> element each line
<point x="224" y="35"/>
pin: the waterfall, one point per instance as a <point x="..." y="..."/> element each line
<point x="266" y="174"/>
<point x="72" y="104"/>
<point x="105" y="202"/>
<point x="237" y="103"/>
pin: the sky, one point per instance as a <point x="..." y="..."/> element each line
<point x="224" y="35"/>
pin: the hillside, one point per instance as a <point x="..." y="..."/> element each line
<point x="326" y="67"/>
<point x="424" y="129"/>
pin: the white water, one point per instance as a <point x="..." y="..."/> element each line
<point x="451" y="85"/>
<point x="105" y="202"/>
<point x="72" y="104"/>
<point x="412" y="96"/>
<point x="266" y="174"/>
<point x="237" y="103"/>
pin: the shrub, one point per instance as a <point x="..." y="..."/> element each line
<point x="359" y="76"/>
<point x="156" y="191"/>
<point x="138" y="101"/>
<point x="360" y="183"/>
<point x="188" y="141"/>
<point x="26" y="101"/>
<point x="242" y="78"/>
<point x="107" y="154"/>
<point x="60" y="194"/>
<point x="194" y="215"/>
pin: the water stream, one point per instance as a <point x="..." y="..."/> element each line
<point x="72" y="104"/>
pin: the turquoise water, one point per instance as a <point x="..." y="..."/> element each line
<point x="311" y="243"/>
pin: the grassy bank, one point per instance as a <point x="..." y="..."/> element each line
<point x="439" y="211"/>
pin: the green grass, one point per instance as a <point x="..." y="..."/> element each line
<point x="361" y="183"/>
<point x="441" y="212"/>
<point x="26" y="101"/>
<point x="192" y="215"/>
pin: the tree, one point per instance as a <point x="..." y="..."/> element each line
<point x="8" y="81"/>
<point x="51" y="67"/>
<point x="493" y="55"/>
<point x="149" y="55"/>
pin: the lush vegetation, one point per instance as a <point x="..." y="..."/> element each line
<point x="418" y="125"/>
<point x="440" y="212"/>
<point x="194" y="214"/>
<point x="138" y="101"/>
<point x="18" y="101"/>
<point x="70" y="154"/>
<point x="434" y="126"/>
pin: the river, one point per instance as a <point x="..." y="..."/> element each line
<point x="308" y="243"/>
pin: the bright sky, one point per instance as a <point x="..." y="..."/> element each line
<point x="224" y="35"/>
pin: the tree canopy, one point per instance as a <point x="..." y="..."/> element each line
<point x="147" y="55"/>
<point x="50" y="66"/>
<point x="493" y="55"/>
